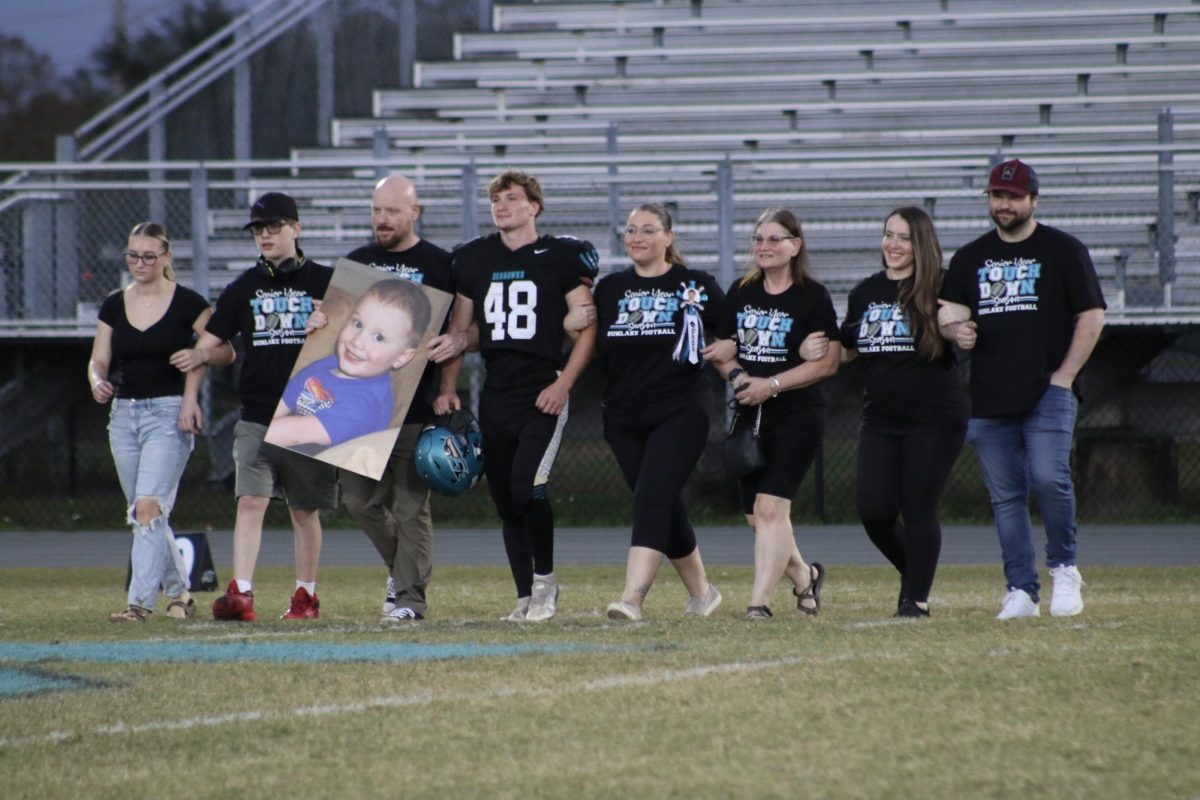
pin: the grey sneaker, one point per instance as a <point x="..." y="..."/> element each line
<point x="543" y="603"/>
<point x="1017" y="603"/>
<point x="402" y="615"/>
<point x="518" y="614"/>
<point x="624" y="611"/>
<point x="389" y="598"/>
<point x="1066" y="601"/>
<point x="703" y="606"/>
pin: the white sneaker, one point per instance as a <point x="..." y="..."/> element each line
<point x="401" y="614"/>
<point x="518" y="613"/>
<point x="1018" y="603"/>
<point x="703" y="606"/>
<point x="544" y="600"/>
<point x="1066" y="600"/>
<point x="625" y="611"/>
<point x="389" y="599"/>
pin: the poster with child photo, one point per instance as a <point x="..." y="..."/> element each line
<point x="355" y="377"/>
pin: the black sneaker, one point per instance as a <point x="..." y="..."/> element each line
<point x="910" y="609"/>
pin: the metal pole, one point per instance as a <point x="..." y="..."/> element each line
<point x="408" y="41"/>
<point x="199" y="181"/>
<point x="157" y="151"/>
<point x="614" y="194"/>
<point x="66" y="240"/>
<point x="323" y="23"/>
<point x="1166" y="205"/>
<point x="725" y="246"/>
<point x="380" y="143"/>
<point x="241" y="114"/>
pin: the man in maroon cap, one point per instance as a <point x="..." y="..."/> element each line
<point x="267" y="307"/>
<point x="1024" y="299"/>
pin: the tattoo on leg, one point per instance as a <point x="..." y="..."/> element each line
<point x="643" y="590"/>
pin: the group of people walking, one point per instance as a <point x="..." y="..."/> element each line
<point x="1023" y="300"/>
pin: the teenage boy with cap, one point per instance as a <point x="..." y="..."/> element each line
<point x="268" y="306"/>
<point x="1024" y="299"/>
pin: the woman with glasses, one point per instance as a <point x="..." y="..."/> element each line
<point x="768" y="313"/>
<point x="652" y="317"/>
<point x="155" y="412"/>
<point x="915" y="407"/>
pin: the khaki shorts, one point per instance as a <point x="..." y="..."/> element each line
<point x="264" y="470"/>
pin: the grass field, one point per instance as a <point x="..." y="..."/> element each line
<point x="854" y="704"/>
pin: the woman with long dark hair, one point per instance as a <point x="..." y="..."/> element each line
<point x="915" y="407"/>
<point x="768" y="313"/>
<point x="656" y="415"/>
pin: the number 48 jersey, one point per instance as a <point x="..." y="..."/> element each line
<point x="519" y="299"/>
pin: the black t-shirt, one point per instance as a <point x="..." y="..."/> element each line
<point x="902" y="387"/>
<point x="640" y="321"/>
<point x="270" y="315"/>
<point x="141" y="357"/>
<point x="769" y="329"/>
<point x="423" y="263"/>
<point x="519" y="300"/>
<point x="1025" y="297"/>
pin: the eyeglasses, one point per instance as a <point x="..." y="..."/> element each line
<point x="269" y="227"/>
<point x="774" y="241"/>
<point x="645" y="230"/>
<point x="149" y="259"/>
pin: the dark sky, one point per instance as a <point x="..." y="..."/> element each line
<point x="69" y="30"/>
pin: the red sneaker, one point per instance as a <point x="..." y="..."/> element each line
<point x="304" y="606"/>
<point x="235" y="605"/>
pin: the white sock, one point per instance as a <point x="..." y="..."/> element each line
<point x="311" y="588"/>
<point x="243" y="586"/>
<point x="548" y="577"/>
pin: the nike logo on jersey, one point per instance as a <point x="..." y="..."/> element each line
<point x="543" y="250"/>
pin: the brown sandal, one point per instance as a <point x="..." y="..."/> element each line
<point x="131" y="614"/>
<point x="813" y="592"/>
<point x="179" y="609"/>
<point x="758" y="612"/>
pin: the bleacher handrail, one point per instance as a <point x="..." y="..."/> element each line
<point x="221" y="51"/>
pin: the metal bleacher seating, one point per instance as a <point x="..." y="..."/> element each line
<point x="841" y="110"/>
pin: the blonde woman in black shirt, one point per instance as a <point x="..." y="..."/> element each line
<point x="135" y="365"/>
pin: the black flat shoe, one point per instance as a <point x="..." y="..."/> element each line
<point x="911" y="609"/>
<point x="813" y="592"/>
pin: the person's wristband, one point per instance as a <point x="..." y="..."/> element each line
<point x="735" y="373"/>
<point x="774" y="386"/>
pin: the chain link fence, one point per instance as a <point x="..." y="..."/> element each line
<point x="1137" y="456"/>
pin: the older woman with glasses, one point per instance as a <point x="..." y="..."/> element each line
<point x="652" y="317"/>
<point x="768" y="313"/>
<point x="136" y="364"/>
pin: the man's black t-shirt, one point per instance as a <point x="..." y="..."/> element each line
<point x="423" y="263"/>
<point x="640" y="321"/>
<point x="519" y="302"/>
<point x="1025" y="297"/>
<point x="270" y="315"/>
<point x="142" y="357"/>
<point x="770" y="327"/>
<point x="902" y="388"/>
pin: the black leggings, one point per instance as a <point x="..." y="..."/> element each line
<point x="901" y="475"/>
<point x="520" y="444"/>
<point x="657" y="448"/>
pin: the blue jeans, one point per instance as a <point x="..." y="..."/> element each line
<point x="1027" y="452"/>
<point x="150" y="453"/>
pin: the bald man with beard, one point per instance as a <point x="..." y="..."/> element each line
<point x="394" y="511"/>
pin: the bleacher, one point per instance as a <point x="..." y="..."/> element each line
<point x="840" y="110"/>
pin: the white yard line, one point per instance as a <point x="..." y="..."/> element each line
<point x="650" y="678"/>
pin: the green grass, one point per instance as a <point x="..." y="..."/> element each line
<point x="853" y="704"/>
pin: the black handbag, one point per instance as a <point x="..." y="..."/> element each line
<point x="742" y="450"/>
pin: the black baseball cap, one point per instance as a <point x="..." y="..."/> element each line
<point x="272" y="207"/>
